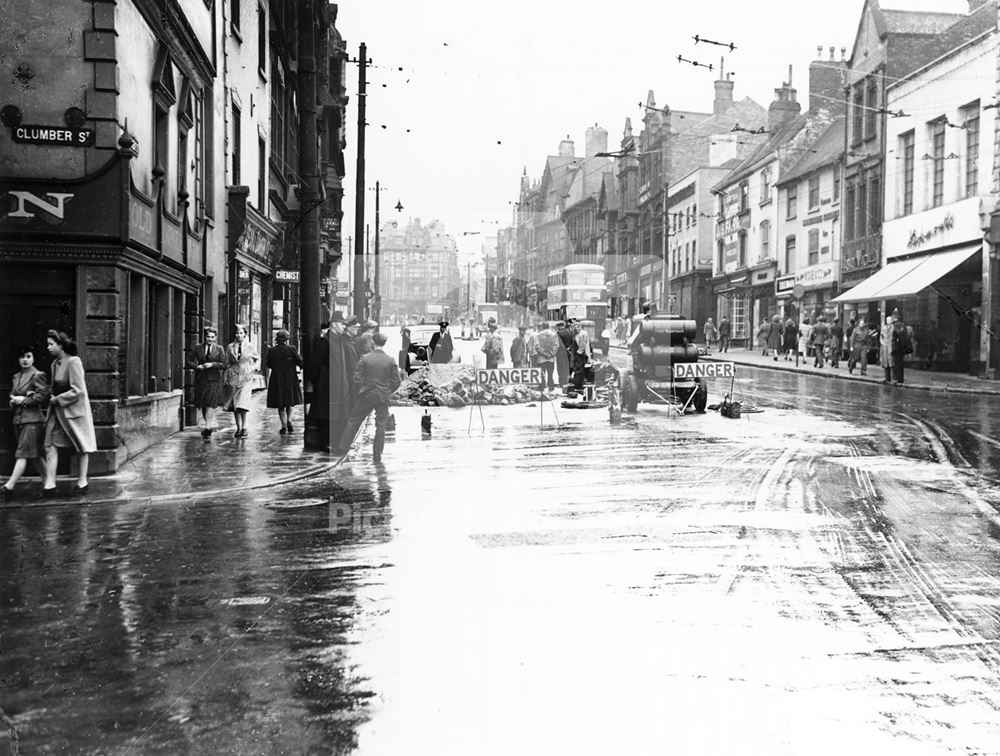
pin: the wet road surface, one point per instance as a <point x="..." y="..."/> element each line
<point x="816" y="578"/>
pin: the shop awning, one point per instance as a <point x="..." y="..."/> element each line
<point x="930" y="270"/>
<point x="869" y="289"/>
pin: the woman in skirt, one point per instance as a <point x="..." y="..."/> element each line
<point x="70" y="424"/>
<point x="283" y="390"/>
<point x="208" y="360"/>
<point x="241" y="362"/>
<point x="29" y="394"/>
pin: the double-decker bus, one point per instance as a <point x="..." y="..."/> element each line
<point x="578" y="291"/>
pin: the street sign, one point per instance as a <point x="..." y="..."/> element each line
<point x="798" y="291"/>
<point x="53" y="136"/>
<point x="704" y="369"/>
<point x="509" y="376"/>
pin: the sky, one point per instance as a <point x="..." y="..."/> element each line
<point x="488" y="89"/>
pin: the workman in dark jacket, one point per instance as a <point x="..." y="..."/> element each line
<point x="376" y="377"/>
<point x="567" y="335"/>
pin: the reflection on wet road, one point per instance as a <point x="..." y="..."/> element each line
<point x="817" y="578"/>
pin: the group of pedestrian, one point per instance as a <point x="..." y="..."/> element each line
<point x="828" y="342"/>
<point x="717" y="335"/>
<point x="50" y="413"/>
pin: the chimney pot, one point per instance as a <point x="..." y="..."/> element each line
<point x="832" y="49"/>
<point x="819" y="52"/>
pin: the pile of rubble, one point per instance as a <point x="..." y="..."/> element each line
<point x="453" y="385"/>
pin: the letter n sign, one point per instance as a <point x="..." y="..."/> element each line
<point x="55" y="208"/>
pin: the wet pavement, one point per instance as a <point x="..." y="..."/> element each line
<point x="818" y="577"/>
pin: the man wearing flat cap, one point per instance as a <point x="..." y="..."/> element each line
<point x="519" y="349"/>
<point x="492" y="345"/>
<point x="364" y="341"/>
<point x="441" y="346"/>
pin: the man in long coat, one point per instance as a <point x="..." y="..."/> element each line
<point x="441" y="345"/>
<point x="331" y="371"/>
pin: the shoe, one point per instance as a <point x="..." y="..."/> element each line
<point x="863" y="373"/>
<point x="236" y="434"/>
<point x="776" y="359"/>
<point x="885" y="382"/>
<point x="243" y="433"/>
<point x="80" y="490"/>
<point x="49" y="493"/>
<point x="205" y="433"/>
<point x="282" y="432"/>
<point x="6" y="494"/>
<point x="289" y="427"/>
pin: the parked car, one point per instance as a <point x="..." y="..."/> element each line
<point x="416" y="349"/>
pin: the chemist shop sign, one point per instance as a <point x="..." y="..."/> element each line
<point x="52" y="136"/>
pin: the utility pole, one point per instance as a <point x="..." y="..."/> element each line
<point x="368" y="273"/>
<point x="663" y="254"/>
<point x="377" y="301"/>
<point x="309" y="197"/>
<point x="359" y="199"/>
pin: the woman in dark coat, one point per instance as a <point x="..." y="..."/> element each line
<point x="208" y="360"/>
<point x="283" y="391"/>
<point x="790" y="338"/>
<point x="774" y="339"/>
<point x="29" y="393"/>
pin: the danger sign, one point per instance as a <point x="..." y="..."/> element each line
<point x="704" y="369"/>
<point x="509" y="376"/>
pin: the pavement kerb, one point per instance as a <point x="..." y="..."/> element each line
<point x="791" y="369"/>
<point x="189" y="495"/>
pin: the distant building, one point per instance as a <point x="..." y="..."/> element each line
<point x="749" y="210"/>
<point x="671" y="144"/>
<point x="419" y="276"/>
<point x="807" y="238"/>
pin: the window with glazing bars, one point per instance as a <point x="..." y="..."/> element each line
<point x="971" y="113"/>
<point x="813" y="192"/>
<point x="906" y="148"/>
<point x="937" y="154"/>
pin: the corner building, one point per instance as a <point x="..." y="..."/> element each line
<point x="148" y="170"/>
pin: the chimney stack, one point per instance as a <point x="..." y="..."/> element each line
<point x="597" y="140"/>
<point x="723" y="90"/>
<point x="567" y="148"/>
<point x="827" y="79"/>
<point x="785" y="107"/>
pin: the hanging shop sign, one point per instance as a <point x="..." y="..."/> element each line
<point x="288" y="276"/>
<point x="784" y="285"/>
<point x="818" y="276"/>
<point x="52" y="136"/>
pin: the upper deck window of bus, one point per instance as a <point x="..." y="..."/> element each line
<point x="584" y="278"/>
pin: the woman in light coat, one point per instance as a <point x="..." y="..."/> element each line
<point x="805" y="334"/>
<point x="241" y="365"/>
<point x="885" y="356"/>
<point x="70" y="424"/>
